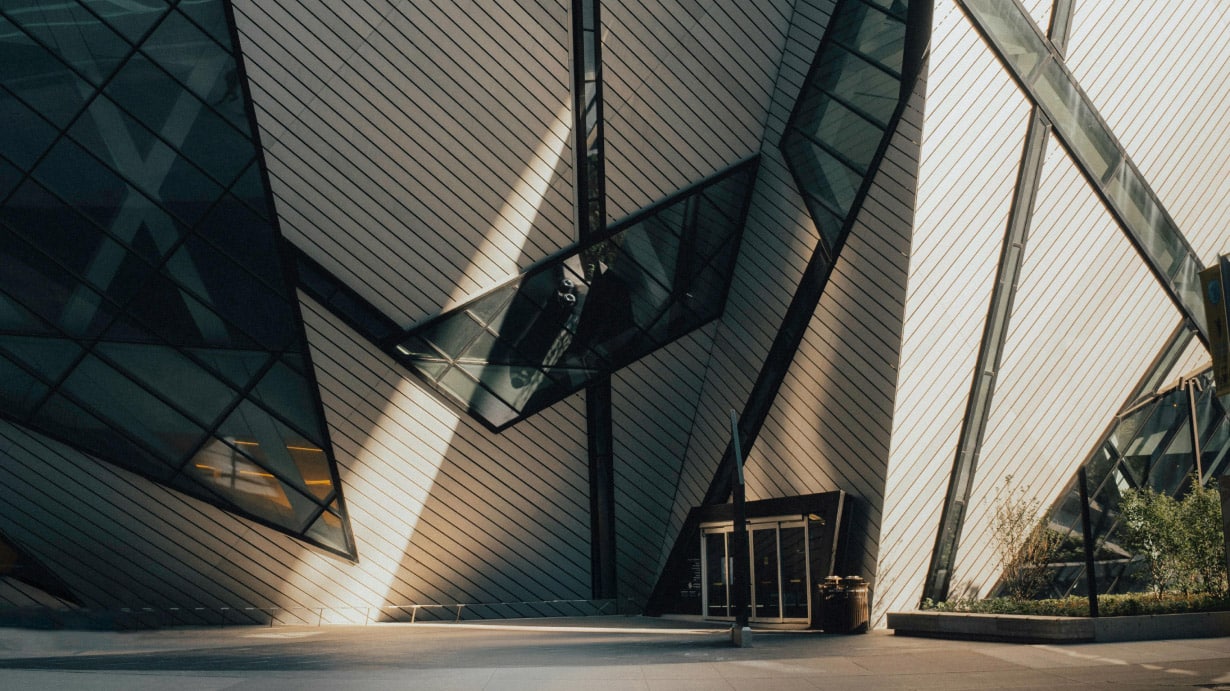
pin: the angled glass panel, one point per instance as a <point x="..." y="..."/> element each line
<point x="222" y="467"/>
<point x="528" y="344"/>
<point x="1015" y="34"/>
<point x="38" y="78"/>
<point x="50" y="358"/>
<point x="78" y="38"/>
<point x="164" y="370"/>
<point x="210" y="17"/>
<point x="10" y="177"/>
<point x="23" y="145"/>
<point x="1073" y="116"/>
<point x="1042" y="73"/>
<point x="62" y="419"/>
<point x="874" y="34"/>
<point x="20" y="391"/>
<point x="276" y="447"/>
<point x="850" y="95"/>
<point x="330" y="530"/>
<point x="861" y="84"/>
<point x="1215" y="450"/>
<point x="1156" y="442"/>
<point x="132" y="19"/>
<point x="148" y="316"/>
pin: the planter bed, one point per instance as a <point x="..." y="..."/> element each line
<point x="1025" y="628"/>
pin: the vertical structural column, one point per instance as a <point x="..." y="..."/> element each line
<point x="982" y="390"/>
<point x="590" y="175"/>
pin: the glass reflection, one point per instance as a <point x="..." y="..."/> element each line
<point x="1149" y="447"/>
<point x="652" y="279"/>
<point x="847" y="101"/>
<point x="147" y="320"/>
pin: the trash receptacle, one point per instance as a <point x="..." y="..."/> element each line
<point x="843" y="605"/>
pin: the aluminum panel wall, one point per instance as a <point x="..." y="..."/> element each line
<point x="777" y="243"/>
<point x="655" y="403"/>
<point x="1156" y="72"/>
<point x="973" y="134"/>
<point x="418" y="150"/>
<point x="443" y="512"/>
<point x="686" y="87"/>
<point x="1088" y="319"/>
<point x="830" y="424"/>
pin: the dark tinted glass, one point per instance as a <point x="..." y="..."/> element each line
<point x="133" y="281"/>
<point x="526" y="345"/>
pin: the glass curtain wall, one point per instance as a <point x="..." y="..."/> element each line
<point x="842" y="118"/>
<point x="579" y="316"/>
<point x="1149" y="446"/>
<point x="146" y="315"/>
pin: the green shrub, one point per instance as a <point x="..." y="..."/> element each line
<point x="1180" y="542"/>
<point x="1204" y="546"/>
<point x="1108" y="605"/>
<point x="1150" y="526"/>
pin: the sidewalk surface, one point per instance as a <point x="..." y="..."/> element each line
<point x="591" y="654"/>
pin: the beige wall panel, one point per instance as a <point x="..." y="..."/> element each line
<point x="686" y="89"/>
<point x="777" y="242"/>
<point x="972" y="137"/>
<point x="654" y="404"/>
<point x="421" y="150"/>
<point x="830" y="423"/>
<point x="1040" y="11"/>
<point x="1156" y="71"/>
<point x="1087" y="320"/>
<point x="442" y="511"/>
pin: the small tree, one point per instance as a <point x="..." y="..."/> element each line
<point x="1151" y="529"/>
<point x="1180" y="542"/>
<point x="1204" y="549"/>
<point x="1023" y="542"/>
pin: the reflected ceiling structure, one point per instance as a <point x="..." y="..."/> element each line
<point x="146" y="315"/>
<point x="579" y="316"/>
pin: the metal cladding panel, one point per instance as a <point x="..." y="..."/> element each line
<point x="458" y="514"/>
<point x="777" y="243"/>
<point x="1156" y="72"/>
<point x="973" y="133"/>
<point x="655" y="403"/>
<point x="1087" y="320"/>
<point x="418" y="150"/>
<point x="687" y="86"/>
<point x="445" y="515"/>
<point x="830" y="425"/>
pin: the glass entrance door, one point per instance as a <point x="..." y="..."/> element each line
<point x="779" y="561"/>
<point x="716" y="576"/>
<point x="766" y="587"/>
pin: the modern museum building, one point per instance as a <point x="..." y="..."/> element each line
<point x="388" y="311"/>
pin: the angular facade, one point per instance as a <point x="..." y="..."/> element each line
<point x="323" y="313"/>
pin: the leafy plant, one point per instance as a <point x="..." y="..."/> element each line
<point x="1074" y="606"/>
<point x="1180" y="541"/>
<point x="1203" y="548"/>
<point x="1023" y="542"/>
<point x="1152" y="529"/>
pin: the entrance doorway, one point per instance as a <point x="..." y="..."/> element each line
<point x="778" y="549"/>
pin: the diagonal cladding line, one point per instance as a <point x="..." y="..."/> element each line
<point x="815" y="276"/>
<point x="1037" y="65"/>
<point x="994" y="336"/>
<point x="991" y="348"/>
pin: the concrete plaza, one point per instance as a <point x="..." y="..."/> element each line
<point x="592" y="654"/>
